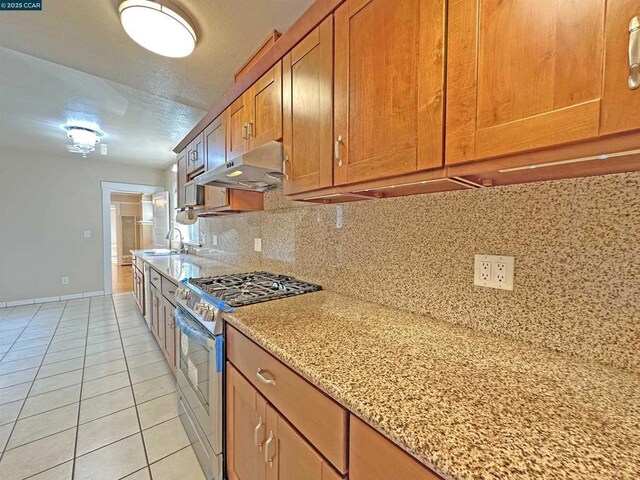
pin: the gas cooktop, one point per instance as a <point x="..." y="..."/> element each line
<point x="246" y="288"/>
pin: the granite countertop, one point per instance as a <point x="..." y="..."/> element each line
<point x="467" y="404"/>
<point x="180" y="267"/>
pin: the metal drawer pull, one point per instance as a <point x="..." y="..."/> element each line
<point x="634" y="53"/>
<point x="256" y="432"/>
<point x="336" y="152"/>
<point x="269" y="458"/>
<point x="244" y="131"/>
<point x="263" y="379"/>
<point x="251" y="129"/>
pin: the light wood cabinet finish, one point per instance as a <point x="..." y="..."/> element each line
<point x="246" y="422"/>
<point x="237" y="130"/>
<point x="522" y="75"/>
<point x="168" y="289"/>
<point x="307" y="104"/>
<point x="373" y="457"/>
<point x="620" y="104"/>
<point x="265" y="108"/>
<point x="157" y="315"/>
<point x="216" y="155"/>
<point x="168" y="324"/>
<point x="155" y="278"/>
<point x="289" y="456"/>
<point x="182" y="177"/>
<point x="315" y="415"/>
<point x="196" y="154"/>
<point x="389" y="79"/>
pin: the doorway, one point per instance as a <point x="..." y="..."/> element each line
<point x="128" y="224"/>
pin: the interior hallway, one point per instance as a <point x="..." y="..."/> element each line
<point x="121" y="278"/>
<point x="85" y="393"/>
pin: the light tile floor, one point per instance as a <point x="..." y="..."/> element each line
<point x="85" y="394"/>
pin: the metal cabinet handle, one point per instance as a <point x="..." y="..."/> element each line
<point x="285" y="161"/>
<point x="256" y="432"/>
<point x="634" y="53"/>
<point x="336" y="152"/>
<point x="251" y="129"/>
<point x="263" y="379"/>
<point x="267" y="448"/>
<point x="244" y="130"/>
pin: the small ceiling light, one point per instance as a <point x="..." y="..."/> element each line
<point x="163" y="30"/>
<point x="84" y="138"/>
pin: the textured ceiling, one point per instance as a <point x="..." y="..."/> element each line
<point x="144" y="102"/>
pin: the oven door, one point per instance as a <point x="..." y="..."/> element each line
<point x="200" y="379"/>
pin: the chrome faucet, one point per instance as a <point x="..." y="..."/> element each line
<point x="181" y="248"/>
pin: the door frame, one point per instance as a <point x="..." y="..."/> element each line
<point x="107" y="189"/>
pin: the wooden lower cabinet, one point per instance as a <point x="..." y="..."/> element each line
<point x="261" y="444"/>
<point x="170" y="334"/>
<point x="246" y="418"/>
<point x="157" y="315"/>
<point x="373" y="457"/>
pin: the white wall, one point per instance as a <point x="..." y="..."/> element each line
<point x="45" y="205"/>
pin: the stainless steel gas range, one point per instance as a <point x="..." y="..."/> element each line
<point x="200" y="304"/>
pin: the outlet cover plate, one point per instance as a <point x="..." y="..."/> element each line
<point x="257" y="244"/>
<point x="501" y="271"/>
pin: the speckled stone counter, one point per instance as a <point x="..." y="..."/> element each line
<point x="469" y="405"/>
<point x="179" y="267"/>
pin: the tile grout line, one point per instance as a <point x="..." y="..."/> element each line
<point x="23" y="329"/>
<point x="144" y="445"/>
<point x="84" y="361"/>
<point x="24" y="401"/>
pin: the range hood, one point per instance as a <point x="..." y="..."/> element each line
<point x="257" y="170"/>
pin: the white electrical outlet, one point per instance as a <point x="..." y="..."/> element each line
<point x="64" y="280"/>
<point x="87" y="234"/>
<point x="257" y="244"/>
<point x="494" y="271"/>
<point x="214" y="239"/>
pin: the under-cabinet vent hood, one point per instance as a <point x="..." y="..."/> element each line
<point x="257" y="170"/>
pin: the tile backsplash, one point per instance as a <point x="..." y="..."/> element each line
<point x="576" y="245"/>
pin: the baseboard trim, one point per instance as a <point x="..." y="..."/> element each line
<point x="61" y="298"/>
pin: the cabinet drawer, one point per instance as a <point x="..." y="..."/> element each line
<point x="322" y="421"/>
<point x="169" y="290"/>
<point x="156" y="278"/>
<point x="139" y="263"/>
<point x="373" y="457"/>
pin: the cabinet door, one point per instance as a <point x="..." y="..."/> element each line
<point x="216" y="155"/>
<point x="169" y="334"/>
<point x="288" y="455"/>
<point x="373" y="457"/>
<point x="237" y="127"/>
<point x="195" y="154"/>
<point x="246" y="429"/>
<point x="182" y="176"/>
<point x="522" y="75"/>
<point x="389" y="74"/>
<point x="265" y="108"/>
<point x="307" y="102"/>
<point x="621" y="102"/>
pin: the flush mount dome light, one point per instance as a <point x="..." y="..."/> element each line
<point x="84" y="138"/>
<point x="163" y="30"/>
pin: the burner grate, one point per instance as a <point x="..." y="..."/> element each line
<point x="254" y="287"/>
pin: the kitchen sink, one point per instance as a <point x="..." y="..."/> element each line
<point x="159" y="252"/>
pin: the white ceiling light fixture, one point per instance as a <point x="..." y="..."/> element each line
<point x="158" y="26"/>
<point x="84" y="138"/>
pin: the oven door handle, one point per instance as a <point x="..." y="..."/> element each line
<point x="192" y="330"/>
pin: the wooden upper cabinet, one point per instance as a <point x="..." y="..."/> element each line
<point x="265" y="108"/>
<point x="237" y="127"/>
<point x="307" y="104"/>
<point x="373" y="457"/>
<point x="389" y="80"/>
<point x="216" y="155"/>
<point x="246" y="429"/>
<point x="288" y="455"/>
<point x="620" y="103"/>
<point x="196" y="154"/>
<point x="522" y="75"/>
<point x="182" y="176"/>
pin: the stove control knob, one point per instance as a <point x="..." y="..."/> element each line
<point x="197" y="308"/>
<point x="208" y="314"/>
<point x="178" y="293"/>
